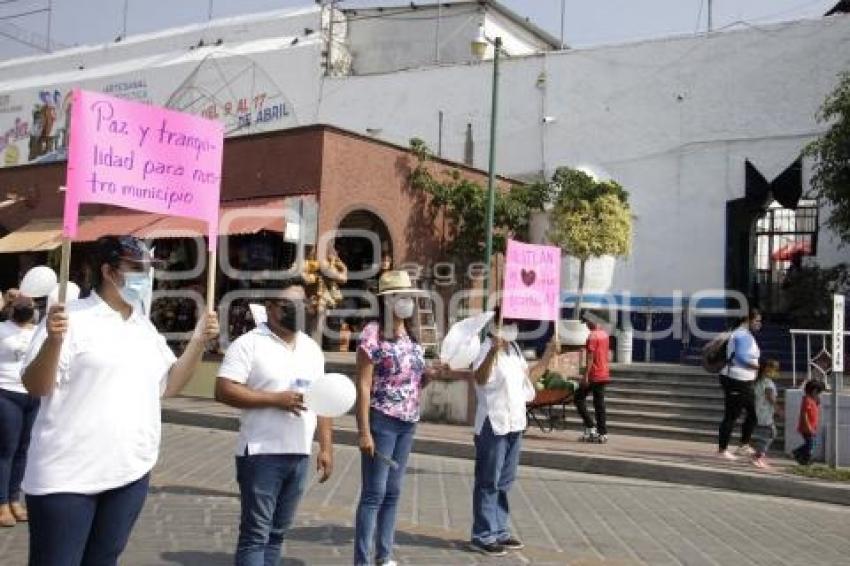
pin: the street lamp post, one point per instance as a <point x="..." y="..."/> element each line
<point x="479" y="47"/>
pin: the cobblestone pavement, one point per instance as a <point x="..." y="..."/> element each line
<point x="191" y="517"/>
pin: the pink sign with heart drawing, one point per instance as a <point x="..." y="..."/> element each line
<point x="532" y="281"/>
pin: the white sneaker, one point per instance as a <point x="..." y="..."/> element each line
<point x="589" y="435"/>
<point x="727" y="455"/>
<point x="745" y="450"/>
<point x="389" y="562"/>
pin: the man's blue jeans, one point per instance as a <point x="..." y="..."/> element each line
<point x="69" y="529"/>
<point x="270" y="487"/>
<point x="496" y="461"/>
<point x="381" y="487"/>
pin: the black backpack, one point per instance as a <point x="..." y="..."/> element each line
<point x="714" y="353"/>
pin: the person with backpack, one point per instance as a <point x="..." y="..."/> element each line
<point x="737" y="379"/>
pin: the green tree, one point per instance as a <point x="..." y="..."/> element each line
<point x="831" y="180"/>
<point x="590" y="218"/>
<point x="463" y="204"/>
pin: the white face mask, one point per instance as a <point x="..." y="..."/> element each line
<point x="136" y="288"/>
<point x="509" y="333"/>
<point x="403" y="308"/>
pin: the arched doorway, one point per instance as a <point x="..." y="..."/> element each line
<point x="357" y="251"/>
<point x="358" y="234"/>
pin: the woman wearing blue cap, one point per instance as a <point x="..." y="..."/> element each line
<point x="100" y="368"/>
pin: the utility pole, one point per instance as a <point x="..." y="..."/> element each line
<point x="49" y="26"/>
<point x="710" y="11"/>
<point x="329" y="50"/>
<point x="124" y="28"/>
<point x="563" y="19"/>
<point x="491" y="174"/>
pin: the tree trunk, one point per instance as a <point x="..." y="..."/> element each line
<point x="577" y="312"/>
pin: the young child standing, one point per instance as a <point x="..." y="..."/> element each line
<point x="807" y="425"/>
<point x="765" y="395"/>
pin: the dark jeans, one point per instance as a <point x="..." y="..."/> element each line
<point x="803" y="453"/>
<point x="739" y="396"/>
<point x="17" y="413"/>
<point x="270" y="488"/>
<point x="376" y="512"/>
<point x="71" y="529"/>
<point x="598" y="391"/>
<point x="496" y="461"/>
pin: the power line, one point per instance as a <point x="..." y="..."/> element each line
<point x="22" y="14"/>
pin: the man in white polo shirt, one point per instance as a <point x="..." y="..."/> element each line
<point x="265" y="373"/>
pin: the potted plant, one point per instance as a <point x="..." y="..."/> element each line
<point x="590" y="218"/>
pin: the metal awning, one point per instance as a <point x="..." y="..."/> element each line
<point x="40" y="235"/>
<point x="236" y="218"/>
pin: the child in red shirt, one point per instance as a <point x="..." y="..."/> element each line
<point x="807" y="425"/>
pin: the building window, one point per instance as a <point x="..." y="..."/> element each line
<point x="783" y="238"/>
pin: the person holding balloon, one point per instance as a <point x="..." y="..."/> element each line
<point x="266" y="373"/>
<point x="17" y="408"/>
<point x="391" y="374"/>
<point x="503" y="381"/>
<point x="100" y="368"/>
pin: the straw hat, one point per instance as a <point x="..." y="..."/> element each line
<point x="394" y="282"/>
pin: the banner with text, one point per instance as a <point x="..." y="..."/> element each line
<point x="142" y="157"/>
<point x="532" y="282"/>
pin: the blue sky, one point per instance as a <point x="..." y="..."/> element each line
<point x="588" y="22"/>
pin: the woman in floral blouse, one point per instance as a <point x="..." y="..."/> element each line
<point x="392" y="372"/>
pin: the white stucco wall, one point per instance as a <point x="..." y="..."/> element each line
<point x="672" y="120"/>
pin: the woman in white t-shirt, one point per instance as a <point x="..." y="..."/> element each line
<point x="17" y="409"/>
<point x="100" y="367"/>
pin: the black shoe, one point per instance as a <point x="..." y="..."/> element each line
<point x="512" y="543"/>
<point x="492" y="549"/>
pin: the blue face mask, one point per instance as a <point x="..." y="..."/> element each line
<point x="136" y="288"/>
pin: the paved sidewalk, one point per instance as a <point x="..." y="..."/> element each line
<point x="676" y="461"/>
<point x="565" y="518"/>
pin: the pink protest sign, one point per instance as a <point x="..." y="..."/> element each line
<point x="142" y="157"/>
<point x="532" y="282"/>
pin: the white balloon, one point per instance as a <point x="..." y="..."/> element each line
<point x="458" y="337"/>
<point x="72" y="293"/>
<point x="332" y="395"/>
<point x="466" y="354"/>
<point x="38" y="282"/>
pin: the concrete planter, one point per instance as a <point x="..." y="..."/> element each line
<point x="573" y="333"/>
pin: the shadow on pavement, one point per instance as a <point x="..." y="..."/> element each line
<point x="199" y="558"/>
<point x="191" y="490"/>
<point x="339" y="536"/>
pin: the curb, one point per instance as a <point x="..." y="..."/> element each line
<point x="670" y="472"/>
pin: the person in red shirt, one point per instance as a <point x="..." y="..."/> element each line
<point x="596" y="377"/>
<point x="807" y="425"/>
